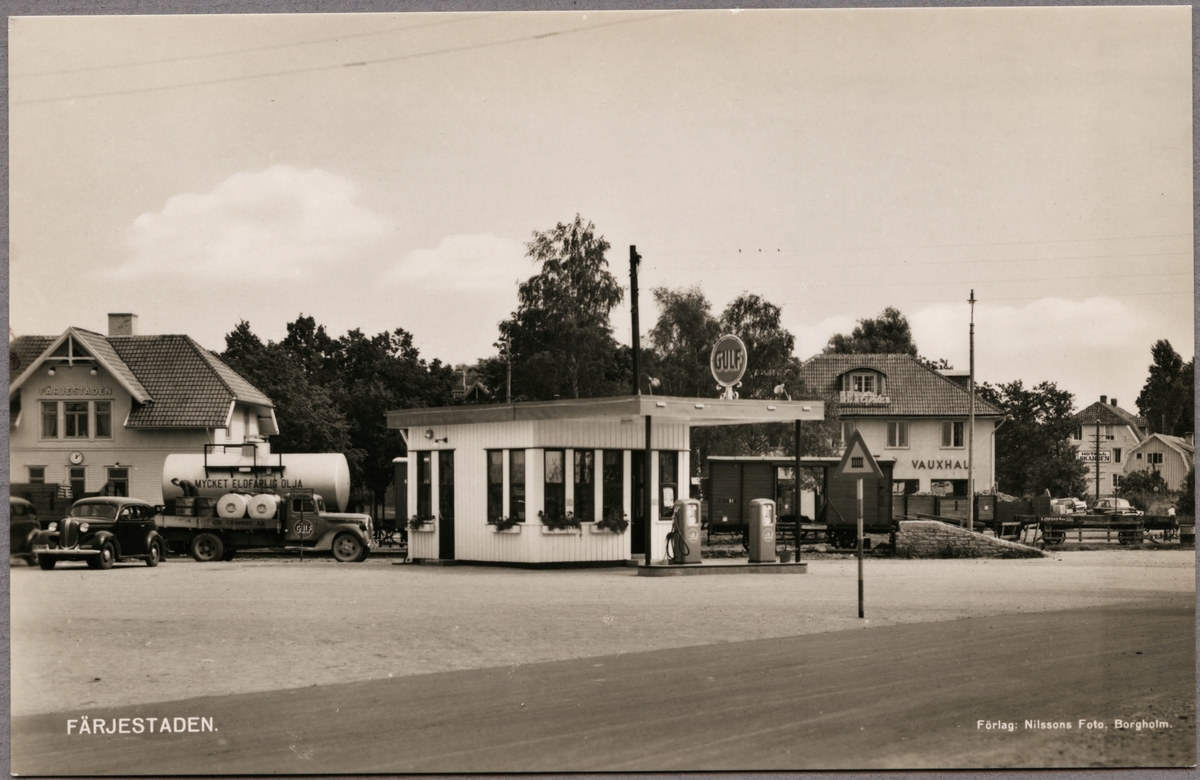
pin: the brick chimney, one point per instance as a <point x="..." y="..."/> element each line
<point x="1103" y="399"/>
<point x="1114" y="402"/>
<point x="122" y="324"/>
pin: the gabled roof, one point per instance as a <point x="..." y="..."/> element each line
<point x="913" y="390"/>
<point x="1108" y="414"/>
<point x="174" y="382"/>
<point x="1182" y="446"/>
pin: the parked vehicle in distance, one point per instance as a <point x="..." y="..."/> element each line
<point x="23" y="526"/>
<point x="102" y="531"/>
<point x="1114" y="506"/>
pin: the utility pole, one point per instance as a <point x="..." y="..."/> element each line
<point x="634" y="259"/>
<point x="1097" y="459"/>
<point x="971" y="426"/>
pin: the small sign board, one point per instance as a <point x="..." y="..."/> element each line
<point x="728" y="360"/>
<point x="857" y="460"/>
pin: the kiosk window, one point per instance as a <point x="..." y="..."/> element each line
<point x="425" y="484"/>
<point x="495" y="485"/>
<point x="446" y="484"/>
<point x="613" y="474"/>
<point x="555" y="501"/>
<point x="668" y="482"/>
<point x="585" y="485"/>
<point x="516" y="484"/>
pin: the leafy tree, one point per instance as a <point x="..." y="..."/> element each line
<point x="1142" y="481"/>
<point x="1187" y="499"/>
<point x="559" y="339"/>
<point x="887" y="334"/>
<point x="1033" y="453"/>
<point x="309" y="420"/>
<point x="758" y="323"/>
<point x="1167" y="397"/>
<point x="682" y="342"/>
<point x="332" y="395"/>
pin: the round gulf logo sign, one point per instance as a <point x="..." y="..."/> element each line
<point x="728" y="360"/>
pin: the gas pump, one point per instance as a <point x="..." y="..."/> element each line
<point x="683" y="542"/>
<point x="762" y="531"/>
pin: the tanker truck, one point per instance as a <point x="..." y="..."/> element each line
<point x="236" y="497"/>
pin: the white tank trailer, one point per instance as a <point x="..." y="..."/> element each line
<point x="252" y="469"/>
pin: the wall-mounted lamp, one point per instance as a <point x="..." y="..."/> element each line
<point x="92" y="372"/>
<point x="653" y="383"/>
<point x="50" y="372"/>
<point x="443" y="440"/>
<point x="428" y="433"/>
<point x="781" y="390"/>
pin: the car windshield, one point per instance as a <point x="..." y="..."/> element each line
<point x="94" y="510"/>
<point x="22" y="510"/>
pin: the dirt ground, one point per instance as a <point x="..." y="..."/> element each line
<point x="83" y="638"/>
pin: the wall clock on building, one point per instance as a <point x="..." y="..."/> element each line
<point x="76" y="458"/>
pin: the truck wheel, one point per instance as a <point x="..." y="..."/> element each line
<point x="46" y="562"/>
<point x="347" y="548"/>
<point x="207" y="548"/>
<point x="105" y="559"/>
<point x="155" y="555"/>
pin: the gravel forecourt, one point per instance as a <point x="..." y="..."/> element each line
<point x="83" y="638"/>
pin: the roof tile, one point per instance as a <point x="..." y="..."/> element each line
<point x="913" y="389"/>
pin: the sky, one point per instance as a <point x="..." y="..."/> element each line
<point x="382" y="171"/>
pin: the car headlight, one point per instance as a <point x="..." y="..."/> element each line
<point x="83" y="528"/>
<point x="52" y="527"/>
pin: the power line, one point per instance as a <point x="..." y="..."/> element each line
<point x="317" y="68"/>
<point x="1021" y="280"/>
<point x="233" y="52"/>
<point x="905" y="264"/>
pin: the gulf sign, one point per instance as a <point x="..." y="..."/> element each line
<point x="728" y="360"/>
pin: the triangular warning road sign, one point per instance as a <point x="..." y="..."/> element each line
<point x="858" y="461"/>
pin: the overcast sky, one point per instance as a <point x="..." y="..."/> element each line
<point x="381" y="171"/>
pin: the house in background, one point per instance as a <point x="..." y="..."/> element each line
<point x="1119" y="431"/>
<point x="908" y="411"/>
<point x="89" y="410"/>
<point x="1170" y="456"/>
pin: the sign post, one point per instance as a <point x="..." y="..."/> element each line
<point x="858" y="462"/>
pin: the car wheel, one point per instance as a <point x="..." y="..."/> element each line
<point x="347" y="548"/>
<point x="31" y="559"/>
<point x="46" y="562"/>
<point x="207" y="548"/>
<point x="156" y="554"/>
<point x="105" y="559"/>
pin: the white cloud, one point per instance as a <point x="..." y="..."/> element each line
<point x="279" y="223"/>
<point x="466" y="263"/>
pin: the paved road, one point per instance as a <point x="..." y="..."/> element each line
<point x="896" y="696"/>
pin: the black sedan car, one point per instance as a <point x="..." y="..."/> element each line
<point x="102" y="531"/>
<point x="22" y="528"/>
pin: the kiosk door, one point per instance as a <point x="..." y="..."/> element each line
<point x="446" y="505"/>
<point x="637" y="520"/>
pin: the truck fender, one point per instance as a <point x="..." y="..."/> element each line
<point x="325" y="543"/>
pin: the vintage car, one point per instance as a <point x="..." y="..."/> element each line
<point x="102" y="531"/>
<point x="1114" y="506"/>
<point x="23" y="526"/>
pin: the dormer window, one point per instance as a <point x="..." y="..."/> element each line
<point x="863" y="387"/>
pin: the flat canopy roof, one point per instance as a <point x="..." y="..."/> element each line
<point x="693" y="411"/>
<point x="788" y="460"/>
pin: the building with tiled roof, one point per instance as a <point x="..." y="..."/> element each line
<point x="1119" y="431"/>
<point x="89" y="410"/>
<point x="908" y="411"/>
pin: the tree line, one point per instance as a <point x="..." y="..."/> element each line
<point x="332" y="394"/>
